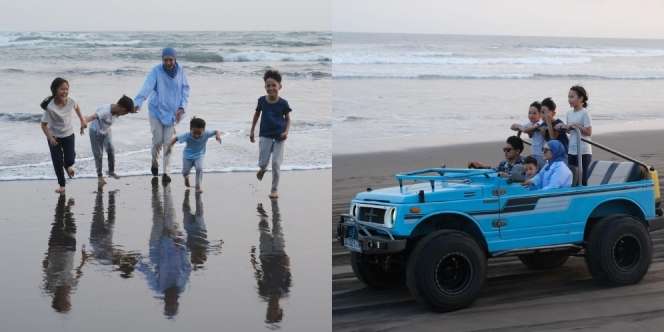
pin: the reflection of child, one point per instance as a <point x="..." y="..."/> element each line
<point x="194" y="225"/>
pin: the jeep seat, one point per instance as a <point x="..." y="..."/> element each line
<point x="603" y="172"/>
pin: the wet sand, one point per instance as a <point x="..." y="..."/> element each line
<point x="141" y="256"/>
<point x="560" y="300"/>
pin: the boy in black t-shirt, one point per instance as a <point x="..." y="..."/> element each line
<point x="274" y="113"/>
<point x="551" y="127"/>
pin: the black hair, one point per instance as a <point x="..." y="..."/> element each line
<point x="548" y="103"/>
<point x="581" y="92"/>
<point x="126" y="103"/>
<point x="55" y="85"/>
<point x="537" y="105"/>
<point x="197" y="123"/>
<point x="273" y="74"/>
<point x="531" y="160"/>
<point x="515" y="142"/>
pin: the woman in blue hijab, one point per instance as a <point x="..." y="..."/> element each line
<point x="555" y="174"/>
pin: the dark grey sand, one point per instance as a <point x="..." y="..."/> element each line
<point x="515" y="298"/>
<point x="128" y="260"/>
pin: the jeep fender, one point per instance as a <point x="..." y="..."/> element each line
<point x="450" y="220"/>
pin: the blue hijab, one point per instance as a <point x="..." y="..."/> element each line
<point x="169" y="51"/>
<point x="558" y="152"/>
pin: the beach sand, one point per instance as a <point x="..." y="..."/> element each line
<point x="256" y="265"/>
<point x="564" y="299"/>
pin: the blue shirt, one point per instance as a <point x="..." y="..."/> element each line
<point x="273" y="117"/>
<point x="557" y="176"/>
<point x="166" y="94"/>
<point x="195" y="146"/>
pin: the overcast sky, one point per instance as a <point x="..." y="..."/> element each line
<point x="64" y="15"/>
<point x="588" y="18"/>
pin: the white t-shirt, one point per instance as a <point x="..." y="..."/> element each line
<point x="104" y="120"/>
<point x="59" y="118"/>
<point x="582" y="118"/>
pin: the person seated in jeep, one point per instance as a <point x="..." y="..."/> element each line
<point x="512" y="166"/>
<point x="555" y="174"/>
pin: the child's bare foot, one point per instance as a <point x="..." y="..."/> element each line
<point x="71" y="172"/>
<point x="101" y="180"/>
<point x="260" y="173"/>
<point x="273" y="195"/>
<point x="60" y="190"/>
<point x="113" y="175"/>
<point x="186" y="182"/>
<point x="198" y="190"/>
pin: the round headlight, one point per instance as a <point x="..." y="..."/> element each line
<point x="394" y="215"/>
<point x="353" y="209"/>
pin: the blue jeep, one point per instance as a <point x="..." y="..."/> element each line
<point x="437" y="228"/>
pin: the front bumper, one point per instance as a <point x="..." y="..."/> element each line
<point x="370" y="241"/>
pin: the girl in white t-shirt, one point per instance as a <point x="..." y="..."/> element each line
<point x="578" y="117"/>
<point x="56" y="123"/>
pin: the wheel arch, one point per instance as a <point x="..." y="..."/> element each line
<point x="614" y="206"/>
<point x="453" y="221"/>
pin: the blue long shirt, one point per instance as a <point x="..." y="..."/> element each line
<point x="558" y="176"/>
<point x="166" y="94"/>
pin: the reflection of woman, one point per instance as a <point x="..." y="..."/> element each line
<point x="168" y="269"/>
<point x="273" y="273"/>
<point x="194" y="224"/>
<point x="60" y="279"/>
<point x="101" y="237"/>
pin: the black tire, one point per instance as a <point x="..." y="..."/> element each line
<point x="446" y="271"/>
<point x="619" y="251"/>
<point x="377" y="271"/>
<point x="544" y="260"/>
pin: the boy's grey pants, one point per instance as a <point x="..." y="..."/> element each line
<point x="187" y="164"/>
<point x="270" y="146"/>
<point x="99" y="142"/>
<point x="161" y="135"/>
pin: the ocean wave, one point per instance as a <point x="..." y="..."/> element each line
<point x="456" y="60"/>
<point x="601" y="52"/>
<point x="91" y="72"/>
<point x="495" y="76"/>
<point x="268" y="56"/>
<point x="12" y="70"/>
<point x="302" y="125"/>
<point x="238" y="169"/>
<point x="352" y="118"/>
<point x="237" y="56"/>
<point x="21" y="117"/>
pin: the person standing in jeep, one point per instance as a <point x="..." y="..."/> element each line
<point x="168" y="90"/>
